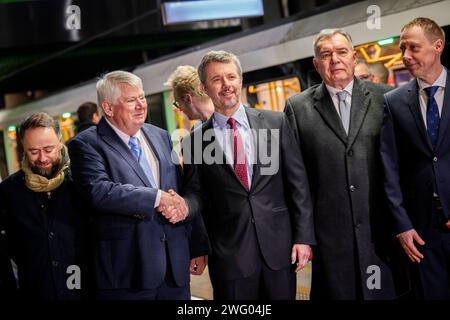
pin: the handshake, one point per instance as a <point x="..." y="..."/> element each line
<point x="173" y="207"/>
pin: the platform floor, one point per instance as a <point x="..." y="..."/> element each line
<point x="201" y="285"/>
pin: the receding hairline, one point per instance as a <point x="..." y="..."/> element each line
<point x="325" y="34"/>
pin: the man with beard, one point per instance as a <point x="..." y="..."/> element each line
<point x="258" y="213"/>
<point x="43" y="223"/>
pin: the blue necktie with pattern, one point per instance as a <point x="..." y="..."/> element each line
<point x="432" y="115"/>
<point x="136" y="150"/>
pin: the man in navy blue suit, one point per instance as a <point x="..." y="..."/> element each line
<point x="125" y="171"/>
<point x="415" y="148"/>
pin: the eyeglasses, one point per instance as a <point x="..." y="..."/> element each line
<point x="176" y="104"/>
<point x="326" y="55"/>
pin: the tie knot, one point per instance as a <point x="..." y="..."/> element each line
<point x="342" y="95"/>
<point x="133" y="142"/>
<point x="232" y="122"/>
<point x="431" y="91"/>
<point x="135" y="147"/>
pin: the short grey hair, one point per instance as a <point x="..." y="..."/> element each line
<point x="108" y="85"/>
<point x="217" y="56"/>
<point x="328" y="33"/>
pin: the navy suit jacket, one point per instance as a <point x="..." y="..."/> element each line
<point x="130" y="237"/>
<point x="411" y="165"/>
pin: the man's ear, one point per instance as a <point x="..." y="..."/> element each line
<point x="107" y="108"/>
<point x="439" y="45"/>
<point x="315" y="64"/>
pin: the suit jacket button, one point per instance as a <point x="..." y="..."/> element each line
<point x="352" y="188"/>
<point x="55" y="263"/>
<point x="50" y="235"/>
<point x="435" y="159"/>
<point x="163" y="238"/>
<point x="350" y="153"/>
<point x="3" y="232"/>
<point x="253" y="220"/>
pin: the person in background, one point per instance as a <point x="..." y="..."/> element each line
<point x="258" y="215"/>
<point x="362" y="71"/>
<point x="379" y="72"/>
<point x="415" y="148"/>
<point x="192" y="100"/>
<point x="88" y="116"/>
<point x="124" y="169"/>
<point x="44" y="216"/>
<point x="189" y="95"/>
<point x="337" y="126"/>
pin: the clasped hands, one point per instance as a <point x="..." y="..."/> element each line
<point x="172" y="206"/>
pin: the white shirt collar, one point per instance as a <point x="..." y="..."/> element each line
<point x="440" y="81"/>
<point x="333" y="91"/>
<point x="122" y="135"/>
<point x="239" y="115"/>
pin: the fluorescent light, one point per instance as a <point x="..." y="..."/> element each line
<point x="189" y="11"/>
<point x="386" y="41"/>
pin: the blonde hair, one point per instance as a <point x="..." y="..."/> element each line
<point x="431" y="29"/>
<point x="185" y="80"/>
<point x="108" y="86"/>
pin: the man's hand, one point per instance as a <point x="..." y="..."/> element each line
<point x="301" y="253"/>
<point x="172" y="206"/>
<point x="448" y="224"/>
<point x="407" y="239"/>
<point x="198" y="265"/>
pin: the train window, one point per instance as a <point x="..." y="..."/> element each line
<point x="271" y="95"/>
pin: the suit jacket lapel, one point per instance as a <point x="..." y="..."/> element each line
<point x="445" y="114"/>
<point x="412" y="100"/>
<point x="260" y="140"/>
<point x="219" y="154"/>
<point x="158" y="150"/>
<point x="113" y="140"/>
<point x="324" y="105"/>
<point x="358" y="110"/>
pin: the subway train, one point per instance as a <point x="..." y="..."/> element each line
<point x="276" y="61"/>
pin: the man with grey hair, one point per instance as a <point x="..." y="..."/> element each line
<point x="337" y="125"/>
<point x="124" y="168"/>
<point x="259" y="223"/>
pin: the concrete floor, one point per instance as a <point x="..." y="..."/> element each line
<point x="201" y="286"/>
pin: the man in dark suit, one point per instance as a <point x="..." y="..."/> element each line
<point x="337" y="127"/>
<point x="257" y="212"/>
<point x="124" y="168"/>
<point x="415" y="148"/>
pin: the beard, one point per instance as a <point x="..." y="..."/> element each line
<point x="46" y="172"/>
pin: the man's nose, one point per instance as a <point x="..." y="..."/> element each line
<point x="42" y="157"/>
<point x="334" y="57"/>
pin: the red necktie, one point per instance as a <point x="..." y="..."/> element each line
<point x="239" y="160"/>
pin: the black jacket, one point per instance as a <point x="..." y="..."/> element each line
<point x="44" y="233"/>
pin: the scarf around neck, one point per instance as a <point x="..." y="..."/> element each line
<point x="38" y="183"/>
